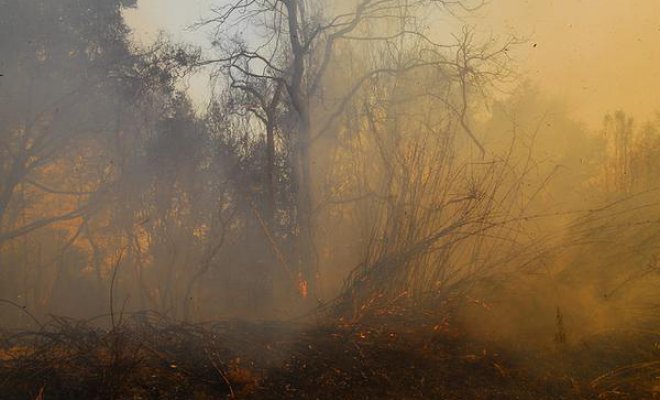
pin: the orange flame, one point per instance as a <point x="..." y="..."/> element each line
<point x="302" y="286"/>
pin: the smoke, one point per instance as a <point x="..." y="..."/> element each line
<point x="393" y="164"/>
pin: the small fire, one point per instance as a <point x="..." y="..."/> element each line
<point x="302" y="286"/>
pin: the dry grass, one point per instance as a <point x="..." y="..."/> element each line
<point x="401" y="355"/>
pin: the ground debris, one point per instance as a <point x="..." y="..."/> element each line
<point x="153" y="358"/>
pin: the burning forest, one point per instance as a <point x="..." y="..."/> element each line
<point x="315" y="199"/>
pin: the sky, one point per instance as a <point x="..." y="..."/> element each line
<point x="172" y="16"/>
<point x="597" y="56"/>
<point x="175" y="18"/>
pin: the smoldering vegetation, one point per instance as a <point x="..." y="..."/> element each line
<point x="367" y="208"/>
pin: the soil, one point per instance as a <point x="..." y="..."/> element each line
<point x="387" y="358"/>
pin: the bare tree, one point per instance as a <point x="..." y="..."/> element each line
<point x="280" y="54"/>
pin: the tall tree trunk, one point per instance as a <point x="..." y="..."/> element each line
<point x="270" y="173"/>
<point x="305" y="239"/>
<point x="305" y="244"/>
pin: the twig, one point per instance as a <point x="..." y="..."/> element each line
<point x="24" y="310"/>
<point x="232" y="395"/>
<point x="115" y="270"/>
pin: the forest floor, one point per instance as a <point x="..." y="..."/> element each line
<point x="388" y="357"/>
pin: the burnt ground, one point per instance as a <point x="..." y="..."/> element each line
<point x="386" y="358"/>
